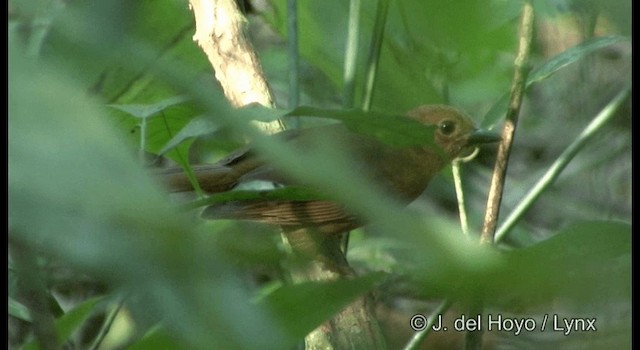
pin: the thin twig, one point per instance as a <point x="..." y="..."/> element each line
<point x="107" y="325"/>
<point x="561" y="162"/>
<point x="473" y="340"/>
<point x="462" y="212"/>
<point x="420" y="336"/>
<point x="457" y="181"/>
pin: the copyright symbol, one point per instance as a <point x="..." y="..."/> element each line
<point x="418" y="322"/>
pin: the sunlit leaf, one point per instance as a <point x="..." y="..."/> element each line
<point x="198" y="126"/>
<point x="145" y="111"/>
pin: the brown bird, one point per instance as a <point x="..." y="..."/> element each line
<point x="402" y="172"/>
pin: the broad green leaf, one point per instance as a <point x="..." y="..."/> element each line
<point x="586" y="261"/>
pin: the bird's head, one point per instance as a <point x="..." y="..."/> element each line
<point x="455" y="132"/>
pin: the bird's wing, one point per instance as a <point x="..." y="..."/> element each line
<point x="282" y="213"/>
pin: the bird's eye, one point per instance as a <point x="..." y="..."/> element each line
<point x="447" y="127"/>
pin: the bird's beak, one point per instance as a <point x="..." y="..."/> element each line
<point x="480" y="136"/>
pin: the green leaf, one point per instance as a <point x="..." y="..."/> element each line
<point x="549" y="68"/>
<point x="198" y="126"/>
<point x="303" y="307"/>
<point x="145" y="111"/>
<point x="571" y="55"/>
<point x="585" y="262"/>
<point x="67" y="324"/>
<point x="18" y="310"/>
<point x="394" y="130"/>
<point x="203" y="125"/>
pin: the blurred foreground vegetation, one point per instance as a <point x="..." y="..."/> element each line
<point x="102" y="257"/>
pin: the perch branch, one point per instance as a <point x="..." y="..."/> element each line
<point x="220" y="34"/>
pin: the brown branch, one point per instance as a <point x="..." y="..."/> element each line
<point x="220" y="34"/>
<point x="517" y="91"/>
<point x="473" y="340"/>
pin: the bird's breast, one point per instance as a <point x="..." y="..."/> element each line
<point x="406" y="172"/>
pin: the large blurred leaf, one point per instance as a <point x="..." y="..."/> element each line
<point x="164" y="25"/>
<point x="394" y="130"/>
<point x="306" y="305"/>
<point x="76" y="192"/>
<point x="156" y="338"/>
<point x="585" y="261"/>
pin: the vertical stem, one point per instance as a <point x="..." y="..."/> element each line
<point x="351" y="54"/>
<point x="508" y="131"/>
<point x="457" y="180"/>
<point x="374" y="52"/>
<point x="143" y="141"/>
<point x="420" y="336"/>
<point x="473" y="340"/>
<point x="294" y="64"/>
